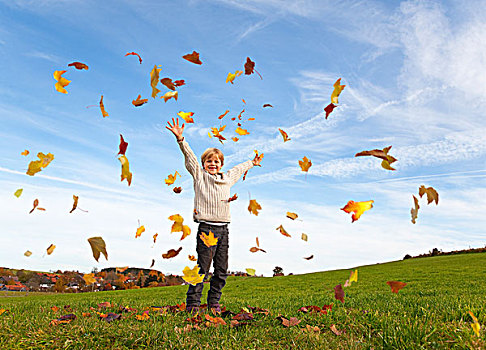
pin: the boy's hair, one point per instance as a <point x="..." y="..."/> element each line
<point x="212" y="152"/>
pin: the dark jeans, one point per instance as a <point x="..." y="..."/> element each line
<point x="219" y="255"/>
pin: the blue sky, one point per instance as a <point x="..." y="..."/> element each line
<point x="415" y="79"/>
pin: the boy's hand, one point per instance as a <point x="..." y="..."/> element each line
<point x="176" y="129"/>
<point x="256" y="161"/>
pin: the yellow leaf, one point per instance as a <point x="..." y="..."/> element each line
<point x="353" y="277"/>
<point x="98" y="246"/>
<point x="337" y="91"/>
<point x="241" y="131"/>
<point x="186" y="231"/>
<point x="37" y="165"/>
<point x="154" y="80"/>
<point x="208" y="239"/>
<point x="125" y="174"/>
<point x="18" y="193"/>
<point x="61" y="82"/>
<point x="142" y="317"/>
<point x="187" y="116"/>
<point x="170" y="94"/>
<point x="171" y="178"/>
<point x="358" y="208"/>
<point x="432" y="194"/>
<point x="50" y="249"/>
<point x="292" y="216"/>
<point x="304" y="237"/>
<point x="231" y="76"/>
<point x="192" y="276"/>
<point x="254" y="207"/>
<point x="75" y="204"/>
<point x="89" y="278"/>
<point x="139" y="232"/>
<point x="476" y="327"/>
<point x="34" y="167"/>
<point x="28" y="253"/>
<point x="305" y="164"/>
<point x="250" y="272"/>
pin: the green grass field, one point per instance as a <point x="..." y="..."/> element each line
<point x="431" y="312"/>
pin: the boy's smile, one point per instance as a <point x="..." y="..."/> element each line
<point x="212" y="165"/>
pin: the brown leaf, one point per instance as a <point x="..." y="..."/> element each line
<point x="78" y="65"/>
<point x="329" y="108"/>
<point x="293" y="321"/>
<point x="282" y="231"/>
<point x="168" y="82"/>
<point x="339" y="293"/>
<point x="102" y="107"/>
<point x="432" y="194"/>
<point x="250" y="67"/>
<point x="177" y="189"/>
<point x="139" y="101"/>
<point x="309" y="257"/>
<point x="414" y="211"/>
<point x="98" y="246"/>
<point x="267" y="105"/>
<point x="334" y="330"/>
<point x="192" y="57"/>
<point x="171" y="253"/>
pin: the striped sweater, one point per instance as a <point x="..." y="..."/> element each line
<point x="211" y="192"/>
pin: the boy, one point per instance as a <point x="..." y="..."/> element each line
<point x="211" y="211"/>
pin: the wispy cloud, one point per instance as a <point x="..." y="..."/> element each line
<point x="45" y="56"/>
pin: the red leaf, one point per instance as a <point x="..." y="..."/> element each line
<point x="339" y="293"/>
<point x="123" y="145"/>
<point x="135" y="54"/>
<point x="329" y="108"/>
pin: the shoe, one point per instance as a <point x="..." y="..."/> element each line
<point x="215" y="308"/>
<point x="192" y="309"/>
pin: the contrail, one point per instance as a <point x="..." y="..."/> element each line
<point x="458" y="174"/>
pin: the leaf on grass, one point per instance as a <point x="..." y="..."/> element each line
<point x="338" y="88"/>
<point x="78" y="65"/>
<point x="292" y="321"/>
<point x="309" y="257"/>
<point x="231" y="76"/>
<point x="339" y="293"/>
<point x="192" y="276"/>
<point x="329" y="108"/>
<point x="432" y="194"/>
<point x="50" y="249"/>
<point x="89" y="278"/>
<point x="25" y="153"/>
<point x="139" y="101"/>
<point x="104" y="113"/>
<point x="170" y="94"/>
<point x="63" y="319"/>
<point x="334" y="330"/>
<point x="110" y="316"/>
<point x="415" y="209"/>
<point x="143" y="317"/>
<point x="171" y="178"/>
<point x="304" y="237"/>
<point x="28" y="253"/>
<point x="123" y="146"/>
<point x="282" y="231"/>
<point x="171" y="253"/>
<point x="125" y="171"/>
<point x="475" y="325"/>
<point x="18" y="193"/>
<point x="250" y="272"/>
<point x="61" y="82"/>
<point x="135" y="54"/>
<point x="357" y="208"/>
<point x="187" y="116"/>
<point x="139" y="232"/>
<point x="254" y="207"/>
<point x="193" y="57"/>
<point x="305" y="164"/>
<point x="208" y="239"/>
<point x="396" y="286"/>
<point x="241" y="131"/>
<point x="284" y="135"/>
<point x="98" y="246"/>
<point x="154" y="80"/>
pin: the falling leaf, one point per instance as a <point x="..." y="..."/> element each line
<point x="432" y="194"/>
<point x="329" y="108"/>
<point x="235" y="139"/>
<point x="36" y="206"/>
<point x="36" y="165"/>
<point x="177" y="189"/>
<point x="250" y="272"/>
<point x="414" y="211"/>
<point x="170" y="94"/>
<point x="396" y="286"/>
<point x="28" y="253"/>
<point x="139" y="101"/>
<point x="231" y="76"/>
<point x="78" y="65"/>
<point x="178" y="83"/>
<point x="125" y="172"/>
<point x="192" y="276"/>
<point x="135" y="54"/>
<point x="192" y="257"/>
<point x="61" y="82"/>
<point x="217" y="133"/>
<point x="75" y="204"/>
<point x="186" y="116"/>
<point x="192" y="57"/>
<point x="292" y="216"/>
<point x="339" y="293"/>
<point x="334" y="330"/>
<point x="168" y="83"/>
<point x="152" y="264"/>
<point x="337" y="91"/>
<point x="171" y="178"/>
<point x="102" y="107"/>
<point x="244" y="175"/>
<point x="139" y="232"/>
<point x="50" y="249"/>
<point x="155" y="237"/>
<point x="267" y="105"/>
<point x="382" y="154"/>
<point x="292" y="321"/>
<point x="305" y="164"/>
<point x="304" y="237"/>
<point x="358" y="208"/>
<point x="171" y="253"/>
<point x="257" y="248"/>
<point x="282" y="231"/>
<point x="154" y="80"/>
<point x="89" y="278"/>
<point x="177" y="226"/>
<point x="98" y="246"/>
<point x="222" y="115"/>
<point x="251" y="118"/>
<point x="254" y="207"/>
<point x="123" y="146"/>
<point x="284" y="135"/>
<point x="18" y="193"/>
<point x="241" y="131"/>
<point x="309" y="257"/>
<point x="250" y="67"/>
<point x="121" y="269"/>
<point x="25" y="153"/>
<point x="208" y="239"/>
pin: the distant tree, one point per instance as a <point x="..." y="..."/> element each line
<point x="278" y="271"/>
<point x="25" y="275"/>
<point x="94" y="270"/>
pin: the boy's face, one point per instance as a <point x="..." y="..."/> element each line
<point x="212" y="165"/>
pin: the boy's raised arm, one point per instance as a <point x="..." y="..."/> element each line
<point x="235" y="173"/>
<point x="192" y="165"/>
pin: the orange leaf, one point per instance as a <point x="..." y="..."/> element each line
<point x="155" y="238"/>
<point x="414" y="211"/>
<point x="154" y="80"/>
<point x="78" y="65"/>
<point x="222" y="115"/>
<point x="235" y="139"/>
<point x="396" y="286"/>
<point x="140" y="230"/>
<point x="233" y="198"/>
<point x="432" y="194"/>
<point x="171" y="178"/>
<point x="142" y="317"/>
<point x="168" y="82"/>
<point x="231" y="76"/>
<point x="337" y="91"/>
<point x="358" y="208"/>
<point x="75" y="204"/>
<point x="50" y="249"/>
<point x="292" y="216"/>
<point x="241" y="131"/>
<point x="254" y="207"/>
<point x="186" y="116"/>
<point x="193" y="57"/>
<point x="208" y="239"/>
<point x="135" y="54"/>
<point x="126" y="174"/>
<point x="171" y="253"/>
<point x="305" y="164"/>
<point x="25" y="153"/>
<point x="192" y="257"/>
<point x="284" y="135"/>
<point x="139" y="102"/>
<point x="171" y="94"/>
<point x="282" y="231"/>
<point x="102" y="107"/>
<point x="61" y="82"/>
<point x="217" y="133"/>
